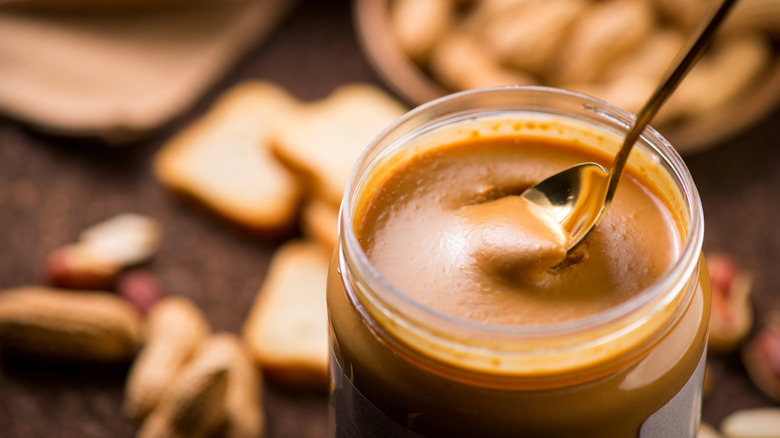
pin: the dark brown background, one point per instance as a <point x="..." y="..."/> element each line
<point x="51" y="188"/>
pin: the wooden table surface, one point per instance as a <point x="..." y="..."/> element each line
<point x="52" y="187"/>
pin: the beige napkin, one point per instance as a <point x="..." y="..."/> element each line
<point x="119" y="73"/>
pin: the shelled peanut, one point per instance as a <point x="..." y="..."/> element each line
<point x="731" y="317"/>
<point x="102" y="251"/>
<point x="608" y="48"/>
<point x="761" y="356"/>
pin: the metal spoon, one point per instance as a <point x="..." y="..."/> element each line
<point x="578" y="197"/>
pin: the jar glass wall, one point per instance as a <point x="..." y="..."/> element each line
<point x="400" y="367"/>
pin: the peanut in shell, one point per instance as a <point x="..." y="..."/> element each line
<point x="72" y="325"/>
<point x="193" y="406"/>
<point x="176" y="328"/>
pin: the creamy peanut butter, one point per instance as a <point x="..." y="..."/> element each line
<point x="511" y="238"/>
<point x="447" y="229"/>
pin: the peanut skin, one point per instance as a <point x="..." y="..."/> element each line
<point x="141" y="287"/>
<point x="103" y="251"/>
<point x="732" y="315"/>
<point x="73" y="268"/>
<point x="761" y="357"/>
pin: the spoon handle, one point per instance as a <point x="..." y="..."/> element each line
<point x="673" y="78"/>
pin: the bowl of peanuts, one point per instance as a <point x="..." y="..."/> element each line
<point x="616" y="50"/>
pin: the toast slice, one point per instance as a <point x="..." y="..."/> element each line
<point x="324" y="138"/>
<point x="224" y="160"/>
<point x="287" y="327"/>
<point x="320" y="221"/>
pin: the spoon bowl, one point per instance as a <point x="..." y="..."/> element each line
<point x="575" y="198"/>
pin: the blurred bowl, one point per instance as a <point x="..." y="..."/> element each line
<point x="412" y="84"/>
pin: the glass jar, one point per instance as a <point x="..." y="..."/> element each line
<point x="401" y="369"/>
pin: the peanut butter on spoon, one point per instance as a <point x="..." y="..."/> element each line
<point x="514" y="237"/>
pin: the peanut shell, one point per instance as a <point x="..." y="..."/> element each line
<point x="605" y="32"/>
<point x="722" y="75"/>
<point x="175" y="330"/>
<point x="752" y="423"/>
<point x="460" y="62"/>
<point x="244" y="416"/>
<point x="754" y="16"/>
<point x="418" y="24"/>
<point x="193" y="406"/>
<point x="529" y="36"/>
<point x="64" y="324"/>
<point x="707" y="431"/>
<point x="686" y="14"/>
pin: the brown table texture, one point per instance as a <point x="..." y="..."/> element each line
<point x="52" y="187"/>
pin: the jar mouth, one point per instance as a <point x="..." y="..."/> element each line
<point x="558" y="102"/>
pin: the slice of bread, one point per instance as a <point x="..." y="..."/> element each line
<point x="287" y="327"/>
<point x="320" y="221"/>
<point x="224" y="159"/>
<point x="324" y="138"/>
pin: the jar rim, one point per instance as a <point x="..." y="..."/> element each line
<point x="683" y="267"/>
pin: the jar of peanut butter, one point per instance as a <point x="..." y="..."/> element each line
<point x="449" y="319"/>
